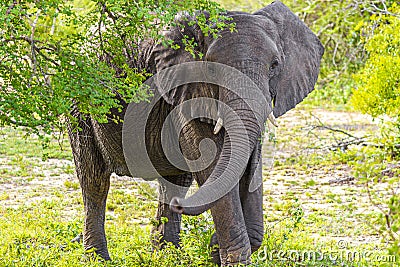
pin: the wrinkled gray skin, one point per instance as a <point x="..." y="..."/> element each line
<point x="280" y="54"/>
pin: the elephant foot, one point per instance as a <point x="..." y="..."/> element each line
<point x="160" y="237"/>
<point x="96" y="247"/>
<point x="229" y="258"/>
<point x="233" y="258"/>
<point x="101" y="252"/>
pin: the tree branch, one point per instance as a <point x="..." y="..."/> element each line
<point x="37" y="49"/>
<point x="11" y="7"/>
<point x="342" y="143"/>
<point x="372" y="8"/>
<point x="33" y="57"/>
<point x="29" y="40"/>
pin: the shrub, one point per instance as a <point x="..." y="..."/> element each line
<point x="377" y="93"/>
<point x="378" y="83"/>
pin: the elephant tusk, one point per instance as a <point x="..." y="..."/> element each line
<point x="272" y="119"/>
<point x="218" y="125"/>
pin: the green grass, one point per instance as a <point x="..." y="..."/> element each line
<point x="14" y="142"/>
<point x="39" y="235"/>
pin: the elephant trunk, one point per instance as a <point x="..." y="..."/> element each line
<point x="243" y="116"/>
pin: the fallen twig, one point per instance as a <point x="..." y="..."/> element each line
<point x="342" y="143"/>
<point x="345" y="180"/>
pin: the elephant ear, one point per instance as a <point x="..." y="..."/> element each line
<point x="166" y="56"/>
<point x="302" y="53"/>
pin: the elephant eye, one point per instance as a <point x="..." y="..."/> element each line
<point x="273" y="67"/>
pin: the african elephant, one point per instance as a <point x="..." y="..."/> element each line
<point x="278" y="54"/>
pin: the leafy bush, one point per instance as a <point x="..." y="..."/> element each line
<point x="378" y="93"/>
<point x="378" y="83"/>
<point x="50" y="51"/>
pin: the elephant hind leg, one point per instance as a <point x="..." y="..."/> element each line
<point x="94" y="178"/>
<point x="94" y="236"/>
<point x="169" y="223"/>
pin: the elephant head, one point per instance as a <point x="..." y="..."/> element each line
<point x="277" y="57"/>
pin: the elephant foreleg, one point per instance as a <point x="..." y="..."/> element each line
<point x="253" y="218"/>
<point x="251" y="203"/>
<point x="169" y="223"/>
<point x="251" y="198"/>
<point x="234" y="245"/>
<point x="253" y="214"/>
<point x="231" y="234"/>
